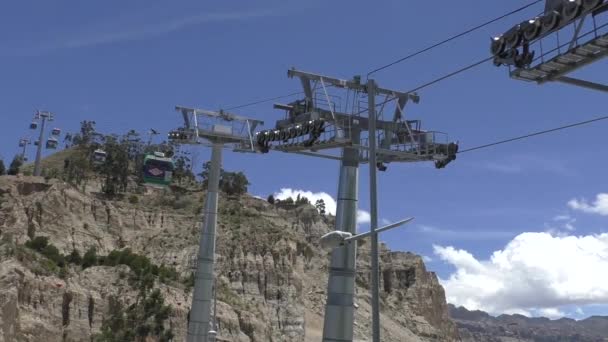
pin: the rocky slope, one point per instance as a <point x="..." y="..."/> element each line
<point x="479" y="326"/>
<point x="271" y="273"/>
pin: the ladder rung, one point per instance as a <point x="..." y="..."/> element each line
<point x="603" y="41"/>
<point x="589" y="50"/>
<point x="569" y="58"/>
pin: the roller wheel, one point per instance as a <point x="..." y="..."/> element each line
<point x="498" y="46"/>
<point x="532" y="30"/>
<point x="550" y="22"/>
<point x="589" y="5"/>
<point x="571" y="10"/>
<point x="513" y="38"/>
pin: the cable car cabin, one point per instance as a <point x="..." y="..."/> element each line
<point x="99" y="157"/>
<point x="52" y="143"/>
<point x="56" y="131"/>
<point x="36" y="143"/>
<point x="22" y="143"/>
<point x="33" y="125"/>
<point x="158" y="169"/>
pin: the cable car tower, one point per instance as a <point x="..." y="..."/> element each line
<point x="51" y="143"/>
<point x="562" y="40"/>
<point x="217" y="130"/>
<point x="338" y="119"/>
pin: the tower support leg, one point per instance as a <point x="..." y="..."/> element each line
<point x="200" y="313"/>
<point x="339" y="307"/>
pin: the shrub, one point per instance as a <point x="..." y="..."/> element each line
<point x="38" y="243"/>
<point x="53" y="254"/>
<point x="74" y="257"/>
<point x="90" y="258"/>
<point x="133" y="199"/>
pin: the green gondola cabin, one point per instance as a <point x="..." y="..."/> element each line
<point x="158" y="170"/>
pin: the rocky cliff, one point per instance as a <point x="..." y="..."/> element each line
<point x="480" y="326"/>
<point x="271" y="273"/>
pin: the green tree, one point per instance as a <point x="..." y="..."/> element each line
<point x="15" y="166"/>
<point x="320" y="205"/>
<point x="87" y="132"/>
<point x="53" y="254"/>
<point x="271" y="199"/>
<point x="205" y="174"/>
<point x="301" y="200"/>
<point x="2" y="168"/>
<point x="77" y="168"/>
<point x="116" y="167"/>
<point x="234" y="183"/>
<point x="90" y="258"/>
<point x="74" y="257"/>
<point x="182" y="169"/>
<point x="38" y="243"/>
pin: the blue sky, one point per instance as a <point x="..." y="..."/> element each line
<point x="127" y="64"/>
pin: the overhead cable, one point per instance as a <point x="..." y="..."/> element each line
<point x="454" y="37"/>
<point x="533" y="134"/>
<point x="263" y="101"/>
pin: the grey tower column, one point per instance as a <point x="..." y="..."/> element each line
<point x="202" y="299"/>
<point x="37" y="168"/>
<point x="339" y="308"/>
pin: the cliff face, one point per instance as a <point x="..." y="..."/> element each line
<point x="479" y="326"/>
<point x="271" y="273"/>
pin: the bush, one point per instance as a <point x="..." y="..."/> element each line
<point x="38" y="243"/>
<point x="53" y="254"/>
<point x="90" y="258"/>
<point x="74" y="258"/>
<point x="133" y="199"/>
<point x="15" y="166"/>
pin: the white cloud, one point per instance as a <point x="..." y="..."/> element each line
<point x="518" y="164"/>
<point x="427" y="258"/>
<point x="330" y="202"/>
<point x="386" y="222"/>
<point x="363" y="216"/>
<point x="565" y="224"/>
<point x="562" y="218"/>
<point x="599" y="206"/>
<point x="155" y="29"/>
<point x="460" y="234"/>
<point x="534" y="272"/>
<point x="551" y="313"/>
<point x="135" y="30"/>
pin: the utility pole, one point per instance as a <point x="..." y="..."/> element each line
<point x="373" y="202"/>
<point x="200" y="322"/>
<point x="197" y="131"/>
<point x="44" y="115"/>
<point x="339" y="307"/>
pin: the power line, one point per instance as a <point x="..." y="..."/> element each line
<point x="452" y="74"/>
<point x="534" y="134"/>
<point x="263" y="101"/>
<point x="454" y="37"/>
<point x="437" y="80"/>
